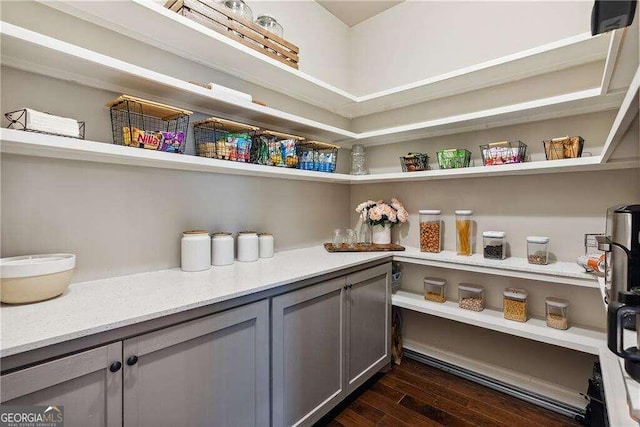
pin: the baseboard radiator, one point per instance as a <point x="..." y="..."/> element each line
<point x="517" y="392"/>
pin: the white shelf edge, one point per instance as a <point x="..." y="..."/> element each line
<point x="528" y="168"/>
<point x="577" y="338"/>
<point x="314" y="90"/>
<point x="558" y="272"/>
<point x="40" y="145"/>
<point x="615" y="42"/>
<point x="199" y="96"/>
<point x="627" y="112"/>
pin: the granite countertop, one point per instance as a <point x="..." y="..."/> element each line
<point x="92" y="307"/>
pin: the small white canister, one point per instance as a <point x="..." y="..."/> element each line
<point x="222" y="249"/>
<point x="248" y="246"/>
<point x="196" y="250"/>
<point x="266" y="245"/>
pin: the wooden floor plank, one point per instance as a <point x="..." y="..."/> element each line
<point x="389" y="421"/>
<point x="348" y="418"/>
<point x="395" y="410"/>
<point x="386" y="391"/>
<point x="365" y="410"/>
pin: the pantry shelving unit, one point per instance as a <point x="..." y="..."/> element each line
<point x="164" y="29"/>
<point x="576" y="337"/>
<point x="568" y="273"/>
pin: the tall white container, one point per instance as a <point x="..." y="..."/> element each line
<point x="265" y="241"/>
<point x="248" y="246"/>
<point x="222" y="249"/>
<point x="195" y="250"/>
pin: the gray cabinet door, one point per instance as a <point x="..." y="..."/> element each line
<point x="90" y="393"/>
<point x="212" y="371"/>
<point x="308" y="334"/>
<point x="368" y="323"/>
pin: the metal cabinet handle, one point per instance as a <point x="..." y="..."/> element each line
<point x="132" y="360"/>
<point x="115" y="366"/>
<point x="349" y="286"/>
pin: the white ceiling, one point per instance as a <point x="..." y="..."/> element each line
<point x="352" y="12"/>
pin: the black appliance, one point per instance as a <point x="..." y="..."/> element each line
<point x="608" y="15"/>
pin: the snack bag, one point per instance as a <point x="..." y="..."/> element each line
<point x="172" y="142"/>
<point x="289" y="153"/>
<point x="147" y="139"/>
<point x="127" y="135"/>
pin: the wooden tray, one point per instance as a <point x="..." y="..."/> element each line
<point x="364" y="248"/>
<point x="221" y="19"/>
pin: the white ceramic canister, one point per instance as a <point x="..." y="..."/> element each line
<point x="248" y="246"/>
<point x="196" y="250"/>
<point x="266" y="245"/>
<point x="222" y="249"/>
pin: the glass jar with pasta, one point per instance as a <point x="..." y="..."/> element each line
<point x="464" y="232"/>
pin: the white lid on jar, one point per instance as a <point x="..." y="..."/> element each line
<point x="266" y="15"/>
<point x="537" y="239"/>
<point x="470" y="287"/>
<point x="494" y="234"/>
<point x="513" y="293"/>
<point x="464" y="212"/>
<point x="557" y="302"/>
<point x="430" y="212"/>
<point x="434" y="281"/>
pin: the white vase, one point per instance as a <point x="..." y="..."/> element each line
<point x="381" y="234"/>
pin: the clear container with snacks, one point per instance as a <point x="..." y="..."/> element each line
<point x="515" y="304"/>
<point x="557" y="313"/>
<point x="434" y="289"/>
<point x="494" y="244"/>
<point x="430" y="231"/>
<point x="470" y="297"/>
<point x="463" y="232"/>
<point x="538" y="250"/>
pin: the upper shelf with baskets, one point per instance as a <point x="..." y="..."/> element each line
<point x="165" y="29"/>
<point x="34" y="52"/>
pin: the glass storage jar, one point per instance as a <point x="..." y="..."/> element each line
<point x="538" y="250"/>
<point x="515" y="304"/>
<point x="430" y="231"/>
<point x="240" y="8"/>
<point x="434" y="289"/>
<point x="494" y="244"/>
<point x="358" y="160"/>
<point x="557" y="313"/>
<point x="470" y="297"/>
<point x="463" y="232"/>
<point x="270" y="24"/>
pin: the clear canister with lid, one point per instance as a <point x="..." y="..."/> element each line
<point x="430" y="231"/>
<point x="464" y="232"/>
<point x="222" y="249"/>
<point x="470" y="297"/>
<point x="358" y="160"/>
<point x="240" y="8"/>
<point x="538" y="250"/>
<point x="434" y="289"/>
<point x="494" y="244"/>
<point x="515" y="304"/>
<point x="557" y="313"/>
<point x="248" y="246"/>
<point x="269" y="23"/>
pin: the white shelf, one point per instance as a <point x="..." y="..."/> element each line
<point x="575" y="338"/>
<point x="149" y="21"/>
<point x="568" y="273"/>
<point x="27" y="50"/>
<point x="40" y="145"/>
<point x="528" y="168"/>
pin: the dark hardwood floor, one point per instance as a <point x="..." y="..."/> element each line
<point x="414" y="394"/>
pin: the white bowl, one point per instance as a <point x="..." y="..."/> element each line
<point x="34" y="278"/>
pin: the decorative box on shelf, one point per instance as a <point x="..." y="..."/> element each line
<point x="35" y="121"/>
<point x="221" y="19"/>
<point x="141" y="123"/>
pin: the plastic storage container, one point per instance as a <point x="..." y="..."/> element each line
<point x="538" y="250"/>
<point x="471" y="297"/>
<point x="557" y="313"/>
<point x="515" y="304"/>
<point x="463" y="232"/>
<point x="270" y="24"/>
<point x="240" y="8"/>
<point x="494" y="244"/>
<point x="430" y="231"/>
<point x="434" y="289"/>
